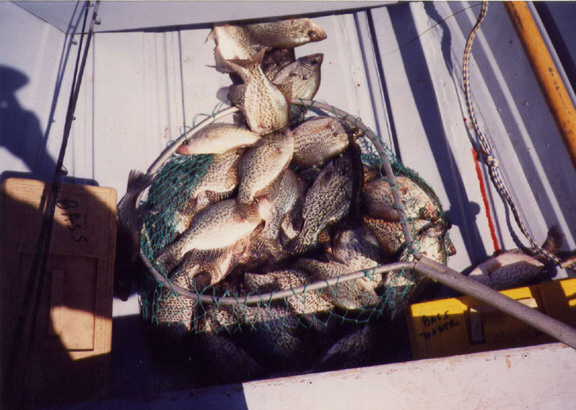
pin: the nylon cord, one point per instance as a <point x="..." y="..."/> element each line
<point x="487" y="149"/>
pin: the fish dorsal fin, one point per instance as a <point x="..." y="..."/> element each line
<point x="211" y="36"/>
<point x="137" y="180"/>
<point x="259" y="57"/>
<point x="241" y="67"/>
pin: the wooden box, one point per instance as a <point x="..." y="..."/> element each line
<point x="69" y="357"/>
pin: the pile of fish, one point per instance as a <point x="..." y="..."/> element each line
<point x="286" y="201"/>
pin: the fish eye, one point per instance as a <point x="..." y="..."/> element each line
<point x="311" y="33"/>
<point x="314" y="62"/>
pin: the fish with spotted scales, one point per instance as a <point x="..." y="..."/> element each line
<point x="379" y="203"/>
<point x="244" y="41"/>
<point x="217" y="138"/>
<point x="515" y="268"/>
<point x="262" y="164"/>
<point x="130" y="222"/>
<point x="308" y="303"/>
<point x="214" y="227"/>
<point x="318" y="140"/>
<point x="263" y="104"/>
<point x="219" y="182"/>
<point x="334" y="182"/>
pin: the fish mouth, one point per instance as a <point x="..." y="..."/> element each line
<point x="315" y="59"/>
<point x="183" y="150"/>
<point x="317" y="34"/>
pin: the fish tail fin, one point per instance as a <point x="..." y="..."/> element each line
<point x="240" y="67"/>
<point x="245" y="210"/>
<point x="167" y="259"/>
<point x="243" y="66"/>
<point x="239" y="64"/>
<point x="259" y="57"/>
<point x="554" y="240"/>
<point x="297" y="246"/>
<point x="138" y="181"/>
<point x="211" y="36"/>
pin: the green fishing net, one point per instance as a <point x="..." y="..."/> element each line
<point x="230" y="310"/>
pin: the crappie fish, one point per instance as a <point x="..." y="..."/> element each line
<point x="265" y="250"/>
<point x="357" y="249"/>
<point x="264" y="106"/>
<point x="379" y="203"/>
<point x="174" y="313"/>
<point x="275" y="60"/>
<point x="209" y="267"/>
<point x="243" y="41"/>
<point x="214" y="227"/>
<point x="220" y="180"/>
<point x="514" y="268"/>
<point x="232" y="43"/>
<point x="130" y="223"/>
<point x="433" y="243"/>
<point x="309" y="302"/>
<point x="317" y="140"/>
<point x="303" y="75"/>
<point x="508" y="270"/>
<point x="353" y="350"/>
<point x="288" y="190"/>
<point x="327" y="202"/>
<point x="222" y="176"/>
<point x="275" y="337"/>
<point x="406" y="286"/>
<point x="224" y="358"/>
<point x="389" y="235"/>
<point x="262" y="164"/>
<point x="217" y="138"/>
<point x="354" y="294"/>
<point x="285" y="33"/>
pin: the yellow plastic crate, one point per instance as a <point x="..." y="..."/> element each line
<point x="466" y="325"/>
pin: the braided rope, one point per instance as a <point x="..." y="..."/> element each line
<point x="487" y="150"/>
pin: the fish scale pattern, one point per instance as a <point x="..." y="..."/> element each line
<point x="318" y="310"/>
<point x="303" y="314"/>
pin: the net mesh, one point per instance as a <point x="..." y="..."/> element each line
<point x="280" y="323"/>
